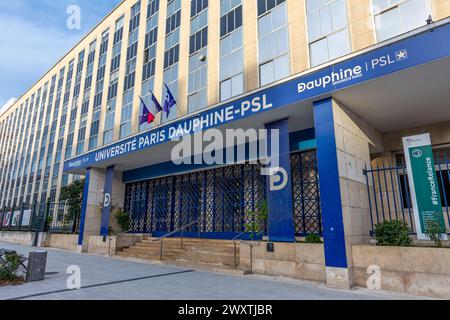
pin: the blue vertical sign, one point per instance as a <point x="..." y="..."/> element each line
<point x="279" y="193"/>
<point x="84" y="206"/>
<point x="106" y="211"/>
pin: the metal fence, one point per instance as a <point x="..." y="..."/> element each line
<point x="221" y="199"/>
<point x="24" y="218"/>
<point x="55" y="217"/>
<point x="389" y="194"/>
<point x="61" y="219"/>
<point x="226" y="199"/>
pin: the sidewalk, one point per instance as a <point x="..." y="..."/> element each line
<point x="107" y="278"/>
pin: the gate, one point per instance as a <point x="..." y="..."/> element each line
<point x="221" y="199"/>
<point x="224" y="200"/>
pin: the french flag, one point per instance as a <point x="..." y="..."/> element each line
<point x="146" y="116"/>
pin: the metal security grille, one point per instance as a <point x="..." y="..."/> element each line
<point x="389" y="194"/>
<point x="222" y="199"/>
<point x="305" y="193"/>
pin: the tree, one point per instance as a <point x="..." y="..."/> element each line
<point x="73" y="195"/>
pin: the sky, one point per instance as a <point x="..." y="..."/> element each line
<point x="34" y="36"/>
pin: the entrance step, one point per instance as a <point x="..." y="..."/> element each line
<point x="213" y="254"/>
<point x="209" y="267"/>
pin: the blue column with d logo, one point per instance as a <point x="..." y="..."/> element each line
<point x="107" y="192"/>
<point x="279" y="193"/>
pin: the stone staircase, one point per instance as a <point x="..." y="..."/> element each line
<point x="215" y="255"/>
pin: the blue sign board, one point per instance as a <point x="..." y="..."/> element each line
<point x="420" y="49"/>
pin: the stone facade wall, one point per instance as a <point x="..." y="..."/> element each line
<point x="412" y="270"/>
<point x="291" y="260"/>
<point x="112" y="244"/>
<point x="17" y="237"/>
<point x="60" y="241"/>
<point x="354" y="139"/>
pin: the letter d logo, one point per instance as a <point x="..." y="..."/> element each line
<point x="107" y="200"/>
<point x="278" y="178"/>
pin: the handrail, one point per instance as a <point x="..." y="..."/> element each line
<point x="182" y="228"/>
<point x="248" y="242"/>
<point x="177" y="230"/>
<point x="239" y="235"/>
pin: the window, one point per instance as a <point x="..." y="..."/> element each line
<point x="198" y="40"/>
<point x="127" y="110"/>
<point x="118" y="34"/>
<point x="135" y="16"/>
<point x="172" y="47"/>
<point x="273" y="45"/>
<point x="152" y="8"/>
<point x="231" y="65"/>
<point x="93" y="140"/>
<point x="394" y="17"/>
<point x="198" y="66"/>
<point x="231" y="20"/>
<point x="267" y="5"/>
<point x="174" y="15"/>
<point x="327" y="30"/>
<point x="150" y="47"/>
<point x="199" y="26"/>
<point x="197" y="88"/>
<point x="108" y="133"/>
<point x="198" y="6"/>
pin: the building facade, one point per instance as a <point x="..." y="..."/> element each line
<point x="322" y="69"/>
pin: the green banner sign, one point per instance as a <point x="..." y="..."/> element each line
<point x="424" y="185"/>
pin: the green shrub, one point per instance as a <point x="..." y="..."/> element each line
<point x="392" y="233"/>
<point x="313" y="238"/>
<point x="111" y="231"/>
<point x="123" y="220"/>
<point x="257" y="220"/>
<point x="48" y="223"/>
<point x="8" y="268"/>
<point x="73" y="196"/>
<point x="435" y="232"/>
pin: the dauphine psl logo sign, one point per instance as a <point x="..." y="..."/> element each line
<point x="340" y="76"/>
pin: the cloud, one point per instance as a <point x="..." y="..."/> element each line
<point x="9" y="103"/>
<point x="27" y="51"/>
<point x="34" y="37"/>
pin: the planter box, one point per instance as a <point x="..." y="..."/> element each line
<point x="412" y="270"/>
<point x="291" y="260"/>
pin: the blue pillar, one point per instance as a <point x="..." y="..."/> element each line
<point x="107" y="192"/>
<point x="84" y="206"/>
<point x="279" y="201"/>
<point x="330" y="194"/>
